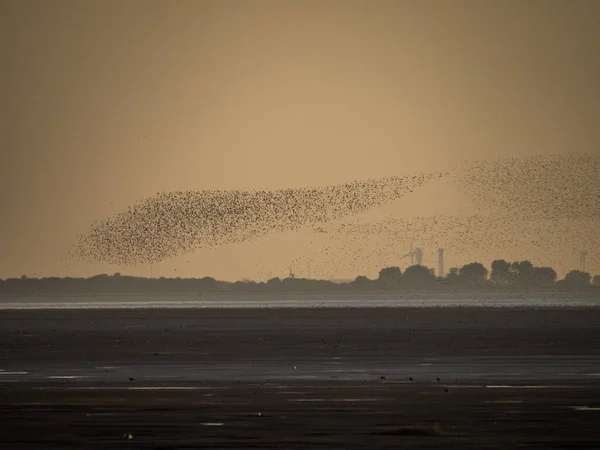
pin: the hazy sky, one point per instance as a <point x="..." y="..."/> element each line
<point x="106" y="102"/>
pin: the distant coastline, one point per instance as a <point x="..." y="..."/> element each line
<point x="519" y="277"/>
<point x="399" y="293"/>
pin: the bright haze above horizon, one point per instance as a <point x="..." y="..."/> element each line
<point x="106" y="102"/>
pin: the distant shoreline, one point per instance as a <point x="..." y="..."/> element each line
<point x="305" y="300"/>
<point x="511" y="293"/>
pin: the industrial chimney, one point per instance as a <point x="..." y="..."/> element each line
<point x="419" y="256"/>
<point x="582" y="255"/>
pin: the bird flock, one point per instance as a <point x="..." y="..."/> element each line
<point x="174" y="223"/>
<point x="364" y="248"/>
<point x="546" y="205"/>
<point x="540" y="187"/>
<point x="542" y="207"/>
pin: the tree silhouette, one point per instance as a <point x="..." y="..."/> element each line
<point x="418" y="277"/>
<point x="390" y="277"/>
<point x="520" y="273"/>
<point x="361" y="280"/>
<point x="208" y="284"/>
<point x="452" y="277"/>
<point x="362" y="283"/>
<point x="525" y="273"/>
<point x="274" y="284"/>
<point x="517" y="275"/>
<point x="473" y="274"/>
<point x="577" y="279"/>
<point x="542" y="277"/>
<point x="500" y="272"/>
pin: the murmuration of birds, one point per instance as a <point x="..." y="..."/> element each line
<point x="367" y="247"/>
<point x="539" y="187"/>
<point x="548" y="206"/>
<point x="527" y="202"/>
<point x="175" y="223"/>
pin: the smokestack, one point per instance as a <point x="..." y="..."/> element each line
<point x="440" y="262"/>
<point x="582" y="256"/>
<point x="419" y="256"/>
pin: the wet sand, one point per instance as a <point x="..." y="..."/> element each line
<point x="491" y="299"/>
<point x="300" y="378"/>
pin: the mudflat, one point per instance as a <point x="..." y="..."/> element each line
<point x="300" y="378"/>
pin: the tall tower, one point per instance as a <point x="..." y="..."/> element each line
<point x="419" y="256"/>
<point x="582" y="255"/>
<point x="440" y="262"/>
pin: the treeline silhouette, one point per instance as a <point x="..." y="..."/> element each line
<point x="519" y="275"/>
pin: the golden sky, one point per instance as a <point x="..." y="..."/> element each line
<point x="107" y="102"/>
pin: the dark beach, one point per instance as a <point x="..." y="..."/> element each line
<point x="300" y="378"/>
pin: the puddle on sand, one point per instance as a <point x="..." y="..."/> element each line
<point x="165" y="388"/>
<point x="508" y="386"/>
<point x="137" y="388"/>
<point x="585" y="408"/>
<point x="504" y="401"/>
<point x="298" y="377"/>
<point x="334" y="400"/>
<point x="64" y="377"/>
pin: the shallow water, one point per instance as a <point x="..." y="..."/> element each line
<point x="346" y="300"/>
<point x="396" y="370"/>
